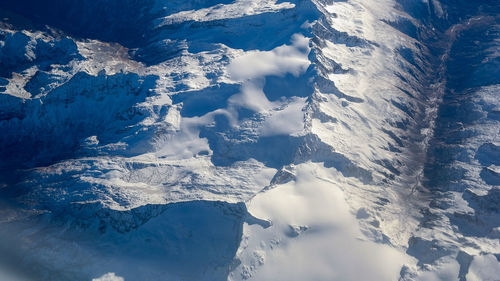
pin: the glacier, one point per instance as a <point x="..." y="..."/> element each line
<point x="250" y="140"/>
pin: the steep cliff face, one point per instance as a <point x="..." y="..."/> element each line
<point x="264" y="140"/>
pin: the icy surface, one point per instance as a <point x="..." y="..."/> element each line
<point x="249" y="140"/>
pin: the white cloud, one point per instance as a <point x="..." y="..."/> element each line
<point x="484" y="268"/>
<point x="288" y="121"/>
<point x="109" y="277"/>
<point x="279" y="61"/>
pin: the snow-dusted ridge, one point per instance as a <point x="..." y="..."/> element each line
<point x="255" y="140"/>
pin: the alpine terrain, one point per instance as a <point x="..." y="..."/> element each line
<point x="266" y="140"/>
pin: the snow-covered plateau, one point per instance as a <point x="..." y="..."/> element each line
<point x="265" y="140"/>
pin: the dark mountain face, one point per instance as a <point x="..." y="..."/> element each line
<point x="128" y="22"/>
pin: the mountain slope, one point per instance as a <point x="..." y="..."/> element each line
<point x="264" y="140"/>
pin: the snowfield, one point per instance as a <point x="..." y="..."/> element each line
<point x="250" y="140"/>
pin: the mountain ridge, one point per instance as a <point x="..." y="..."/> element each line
<point x="233" y="108"/>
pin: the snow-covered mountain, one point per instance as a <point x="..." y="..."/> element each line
<point x="250" y="140"/>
